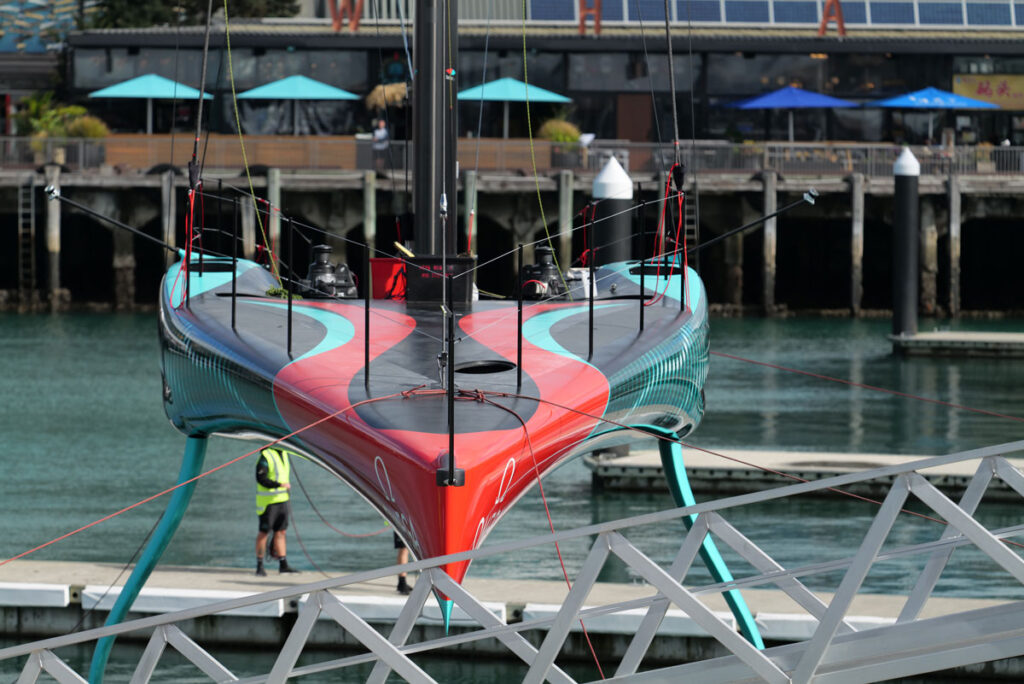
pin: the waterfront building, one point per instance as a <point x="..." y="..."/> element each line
<point x="618" y="82"/>
<point x="725" y="50"/>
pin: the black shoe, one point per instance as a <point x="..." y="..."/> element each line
<point x="287" y="569"/>
<point x="260" y="572"/>
<point x="403" y="587"/>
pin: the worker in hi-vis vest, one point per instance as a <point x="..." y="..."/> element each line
<point x="273" y="485"/>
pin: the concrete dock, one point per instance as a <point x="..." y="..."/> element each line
<point x="49" y="598"/>
<point x="960" y="343"/>
<point x="737" y="471"/>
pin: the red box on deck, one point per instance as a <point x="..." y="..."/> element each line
<point x="388" y="277"/>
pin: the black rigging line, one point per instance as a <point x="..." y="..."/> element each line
<point x="174" y="92"/>
<point x="193" y="165"/>
<point x="218" y="80"/>
<point x="54" y="194"/>
<point x="114" y="582"/>
<point x="650" y="77"/>
<point x="375" y="11"/>
<point x="672" y="83"/>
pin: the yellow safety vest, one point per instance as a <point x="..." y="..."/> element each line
<point x="279" y="469"/>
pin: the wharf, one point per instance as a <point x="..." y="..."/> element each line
<point x="48" y="598"/>
<point x="960" y="343"/>
<point x="750" y="471"/>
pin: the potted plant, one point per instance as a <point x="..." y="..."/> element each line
<point x="565" y="153"/>
<point x="50" y="123"/>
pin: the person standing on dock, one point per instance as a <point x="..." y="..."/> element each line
<point x="273" y="506"/>
<point x="403" y="558"/>
<point x="381" y="139"/>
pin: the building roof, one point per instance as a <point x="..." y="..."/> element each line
<point x="617" y="38"/>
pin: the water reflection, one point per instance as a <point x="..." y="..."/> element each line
<point x="768" y="408"/>
<point x="83" y="401"/>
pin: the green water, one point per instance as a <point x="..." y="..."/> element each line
<point x="86" y="435"/>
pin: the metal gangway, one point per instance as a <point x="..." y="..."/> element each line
<point x="838" y="649"/>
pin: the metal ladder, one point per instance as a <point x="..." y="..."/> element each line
<point x="691" y="223"/>
<point x="27" y="290"/>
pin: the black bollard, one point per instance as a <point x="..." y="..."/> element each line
<point x="906" y="226"/>
<point x="613" y="197"/>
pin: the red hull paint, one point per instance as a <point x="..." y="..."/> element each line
<point x="396" y="469"/>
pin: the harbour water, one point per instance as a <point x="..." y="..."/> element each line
<point x="85" y="435"/>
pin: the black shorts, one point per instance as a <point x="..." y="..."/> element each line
<point x="399" y="544"/>
<point x="275" y="517"/>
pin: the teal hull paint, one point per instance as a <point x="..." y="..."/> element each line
<point x="446" y="613"/>
<point x="191" y="466"/>
<point x="679" y="483"/>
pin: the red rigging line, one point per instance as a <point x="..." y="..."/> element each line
<point x="203" y="474"/>
<point x="661" y="245"/>
<point x="873" y="388"/>
<point x="715" y="453"/>
<point x="480" y="395"/>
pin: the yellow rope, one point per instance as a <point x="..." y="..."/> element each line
<point x="245" y="160"/>
<point x="533" y="161"/>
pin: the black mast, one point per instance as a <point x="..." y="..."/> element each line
<point x="434" y="108"/>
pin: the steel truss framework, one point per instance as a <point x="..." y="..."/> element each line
<point x="835" y="652"/>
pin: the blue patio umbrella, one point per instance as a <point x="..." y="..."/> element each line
<point x="510" y="90"/>
<point x="791" y="98"/>
<point x="149" y="87"/>
<point x="931" y="99"/>
<point x="296" y="88"/>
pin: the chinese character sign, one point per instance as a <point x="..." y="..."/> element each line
<point x="1005" y="90"/>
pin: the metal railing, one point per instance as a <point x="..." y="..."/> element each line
<point x="140" y="153"/>
<point x="839" y="647"/>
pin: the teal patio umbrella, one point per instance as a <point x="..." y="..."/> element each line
<point x="149" y="87"/>
<point x="510" y="90"/>
<point x="296" y="88"/>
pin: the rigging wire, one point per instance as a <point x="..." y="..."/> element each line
<point x="650" y="77"/>
<point x="302" y="544"/>
<point x="241" y="139"/>
<point x="672" y="82"/>
<point x="193" y="166"/>
<point x="475" y="394"/>
<point x="324" y="520"/>
<point x="873" y="388"/>
<point x="116" y="580"/>
<point x="174" y="88"/>
<point x="405" y="39"/>
<point x="551" y="524"/>
<point x="479" y="126"/>
<point x="375" y="13"/>
<point x="218" y="81"/>
<point x="200" y="476"/>
<point x="533" y="158"/>
<point x="733" y="459"/>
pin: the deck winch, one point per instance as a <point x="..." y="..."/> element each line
<point x="325" y="279"/>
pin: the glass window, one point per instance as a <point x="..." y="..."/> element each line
<point x="741" y="75"/>
<point x="630" y="72"/>
<point x="869" y="77"/>
<point x="545" y="69"/>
